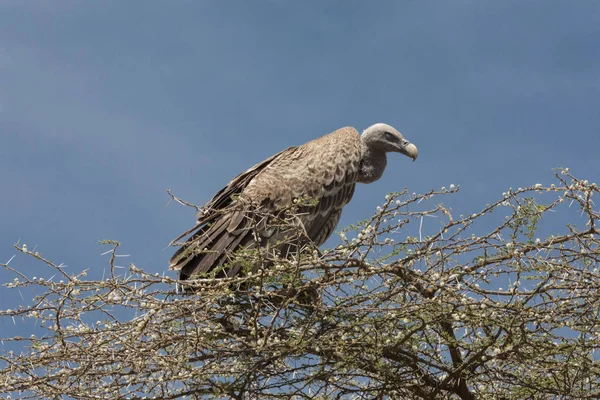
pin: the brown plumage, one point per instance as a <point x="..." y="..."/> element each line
<point x="325" y="169"/>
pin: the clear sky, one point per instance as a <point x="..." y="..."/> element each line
<point x="106" y="104"/>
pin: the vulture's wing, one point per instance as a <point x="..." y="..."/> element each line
<point x="324" y="169"/>
<point x="226" y="196"/>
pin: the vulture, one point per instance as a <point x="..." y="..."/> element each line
<point x="325" y="169"/>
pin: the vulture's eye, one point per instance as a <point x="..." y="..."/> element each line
<point x="391" y="137"/>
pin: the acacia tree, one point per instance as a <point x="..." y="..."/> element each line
<point x="463" y="311"/>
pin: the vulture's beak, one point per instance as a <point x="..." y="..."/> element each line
<point x="410" y="150"/>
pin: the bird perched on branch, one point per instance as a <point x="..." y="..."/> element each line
<point x="325" y="169"/>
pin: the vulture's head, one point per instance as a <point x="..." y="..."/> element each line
<point x="386" y="138"/>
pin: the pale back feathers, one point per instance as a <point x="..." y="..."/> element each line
<point x="317" y="169"/>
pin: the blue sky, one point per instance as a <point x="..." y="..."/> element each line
<point x="104" y="105"/>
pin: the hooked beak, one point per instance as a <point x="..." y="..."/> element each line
<point x="410" y="150"/>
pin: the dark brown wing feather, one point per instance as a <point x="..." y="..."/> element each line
<point x="324" y="169"/>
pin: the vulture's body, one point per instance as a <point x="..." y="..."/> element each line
<point x="325" y="170"/>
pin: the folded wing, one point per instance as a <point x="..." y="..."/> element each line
<point x="324" y="170"/>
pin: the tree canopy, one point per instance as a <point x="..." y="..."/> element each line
<point x="500" y="303"/>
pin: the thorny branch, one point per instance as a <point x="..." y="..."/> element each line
<point x="495" y="304"/>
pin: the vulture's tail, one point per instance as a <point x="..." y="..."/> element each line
<point x="213" y="245"/>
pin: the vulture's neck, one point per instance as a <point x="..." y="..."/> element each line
<point x="372" y="164"/>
